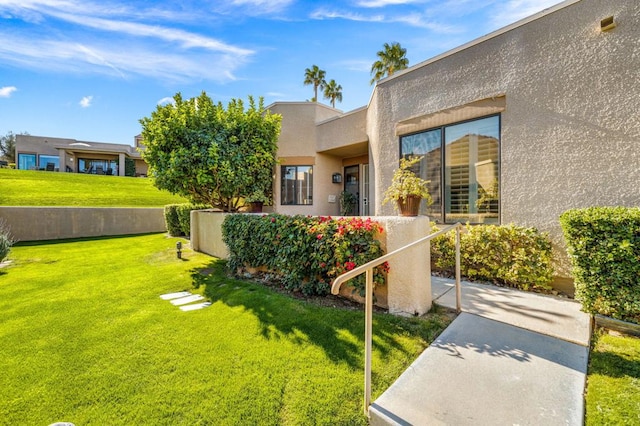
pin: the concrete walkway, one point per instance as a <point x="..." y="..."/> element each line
<point x="511" y="358"/>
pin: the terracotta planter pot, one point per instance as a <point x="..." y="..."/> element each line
<point x="255" y="207"/>
<point x="409" y="206"/>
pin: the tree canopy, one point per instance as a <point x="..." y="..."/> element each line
<point x="216" y="156"/>
<point x="315" y="76"/>
<point x="333" y="92"/>
<point x="391" y="59"/>
<point x="8" y="146"/>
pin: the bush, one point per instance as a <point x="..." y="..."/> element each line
<point x="6" y="241"/>
<point x="178" y="218"/>
<point x="171" y="220"/>
<point x="507" y="255"/>
<point x="129" y="167"/>
<point x="306" y="253"/>
<point x="604" y="247"/>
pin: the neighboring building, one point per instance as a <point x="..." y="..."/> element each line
<point x="70" y="155"/>
<point x="515" y="127"/>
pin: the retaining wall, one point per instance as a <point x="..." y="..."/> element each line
<point x="408" y="289"/>
<point x="54" y="223"/>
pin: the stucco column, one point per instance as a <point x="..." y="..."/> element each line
<point x="409" y="278"/>
<point x="62" y="160"/>
<point x="121" y="164"/>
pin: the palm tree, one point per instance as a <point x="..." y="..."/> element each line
<point x="333" y="92"/>
<point x="391" y="59"/>
<point x="315" y="76"/>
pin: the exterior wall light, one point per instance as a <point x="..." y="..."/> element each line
<point x="336" y="178"/>
<point x="607" y="24"/>
<point x="179" y="250"/>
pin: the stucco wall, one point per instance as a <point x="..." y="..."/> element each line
<point x="53" y="223"/>
<point x="570" y="128"/>
<point x="297" y="146"/>
<point x="206" y="233"/>
<point x="408" y="289"/>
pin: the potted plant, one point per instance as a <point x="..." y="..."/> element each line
<point x="348" y="202"/>
<point x="255" y="201"/>
<point x="407" y="189"/>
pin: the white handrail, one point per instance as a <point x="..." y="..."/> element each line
<point x="367" y="268"/>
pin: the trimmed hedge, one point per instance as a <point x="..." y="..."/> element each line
<point x="508" y="255"/>
<point x="178" y="218"/>
<point x="604" y="246"/>
<point x="305" y="252"/>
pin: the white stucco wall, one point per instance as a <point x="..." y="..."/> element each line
<point x="570" y="127"/>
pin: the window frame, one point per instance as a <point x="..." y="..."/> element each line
<point x="443" y="145"/>
<point x="296" y="201"/>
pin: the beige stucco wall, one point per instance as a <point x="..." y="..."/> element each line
<point x="297" y="146"/>
<point x="570" y="126"/>
<point x="206" y="233"/>
<point x="53" y="223"/>
<point x="344" y="134"/>
<point x="408" y="289"/>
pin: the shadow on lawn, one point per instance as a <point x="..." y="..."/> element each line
<point x="340" y="332"/>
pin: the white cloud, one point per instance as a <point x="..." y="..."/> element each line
<point x="263" y="6"/>
<point x="85" y="102"/>
<point x="159" y="51"/>
<point x="6" y="91"/>
<point x="514" y="10"/>
<point x="383" y="3"/>
<point x="413" y="19"/>
<point x="166" y="100"/>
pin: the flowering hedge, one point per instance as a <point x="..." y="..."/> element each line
<point x="305" y="252"/>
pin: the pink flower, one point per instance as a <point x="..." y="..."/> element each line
<point x="322" y="265"/>
<point x="319" y="236"/>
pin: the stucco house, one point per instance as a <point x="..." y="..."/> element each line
<point x="515" y="127"/>
<point x="73" y="156"/>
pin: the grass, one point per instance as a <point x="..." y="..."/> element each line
<point x="37" y="188"/>
<point x="85" y="338"/>
<point x="613" y="384"/>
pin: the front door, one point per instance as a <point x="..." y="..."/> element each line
<point x="352" y="186"/>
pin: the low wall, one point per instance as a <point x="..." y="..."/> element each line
<point x="408" y="289"/>
<point x="55" y="223"/>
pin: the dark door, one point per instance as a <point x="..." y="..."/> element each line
<point x="352" y="186"/>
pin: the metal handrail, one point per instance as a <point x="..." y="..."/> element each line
<point x="367" y="268"/>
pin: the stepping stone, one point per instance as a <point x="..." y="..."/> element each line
<point x="170" y="296"/>
<point x="188" y="299"/>
<point x="195" y="306"/>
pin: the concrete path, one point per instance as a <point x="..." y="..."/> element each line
<point x="511" y="358"/>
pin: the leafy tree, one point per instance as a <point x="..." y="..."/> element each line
<point x="8" y="146"/>
<point x="333" y="92"/>
<point x="391" y="59"/>
<point x="315" y="76"/>
<point x="211" y="155"/>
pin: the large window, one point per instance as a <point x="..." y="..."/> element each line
<point x="27" y="161"/>
<point x="461" y="161"/>
<point x="45" y="161"/>
<point x="296" y="185"/>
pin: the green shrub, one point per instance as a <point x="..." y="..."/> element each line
<point x="604" y="246"/>
<point x="178" y="218"/>
<point x="507" y="255"/>
<point x="184" y="216"/>
<point x="171" y="220"/>
<point x="306" y="253"/>
<point x="129" y="167"/>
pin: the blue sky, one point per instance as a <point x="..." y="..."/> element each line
<point x="90" y="69"/>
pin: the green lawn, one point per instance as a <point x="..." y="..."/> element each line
<point x="36" y="188"/>
<point x="85" y="338"/>
<point x="613" y="384"/>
